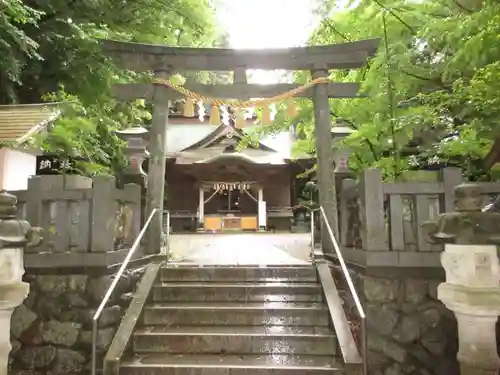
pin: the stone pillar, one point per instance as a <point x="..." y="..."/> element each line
<point x="157" y="163"/>
<point x="325" y="157"/>
<point x="137" y="141"/>
<point x="471" y="289"/>
<point x="201" y="210"/>
<point x="261" y="207"/>
<point x="15" y="235"/>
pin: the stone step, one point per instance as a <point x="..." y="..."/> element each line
<point x="241" y="274"/>
<point x="237" y="292"/>
<point x="235" y="340"/>
<point x="230" y="313"/>
<point x="164" y="364"/>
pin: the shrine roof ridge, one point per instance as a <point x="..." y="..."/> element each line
<point x="221" y="131"/>
<point x="144" y="57"/>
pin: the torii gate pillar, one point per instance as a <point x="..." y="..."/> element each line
<point x="157" y="163"/>
<point x="325" y="158"/>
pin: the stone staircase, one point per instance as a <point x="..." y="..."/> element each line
<point x="227" y="320"/>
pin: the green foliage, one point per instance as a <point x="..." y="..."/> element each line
<point x="15" y="44"/>
<point x="50" y="51"/>
<point x="88" y="132"/>
<point x="65" y="36"/>
<point x="432" y="86"/>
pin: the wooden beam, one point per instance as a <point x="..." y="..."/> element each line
<point x="127" y="92"/>
<point x="146" y="57"/>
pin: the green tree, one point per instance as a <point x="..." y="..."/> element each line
<point x="66" y="34"/>
<point x="431" y="87"/>
<point x="15" y="44"/>
<point x="52" y="52"/>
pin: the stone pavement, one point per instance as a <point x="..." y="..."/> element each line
<point x="241" y="248"/>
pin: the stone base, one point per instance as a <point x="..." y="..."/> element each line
<point x="409" y="331"/>
<point x="51" y="331"/>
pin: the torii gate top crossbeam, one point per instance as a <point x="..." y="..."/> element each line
<point x="147" y="57"/>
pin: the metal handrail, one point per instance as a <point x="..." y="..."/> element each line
<point x="350" y="283"/>
<point x="107" y="296"/>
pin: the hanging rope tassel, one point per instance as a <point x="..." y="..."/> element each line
<point x="266" y="116"/>
<point x="239" y="121"/>
<point x="189" y="107"/>
<point x="192" y="98"/>
<point x="214" y="115"/>
<point x="291" y="108"/>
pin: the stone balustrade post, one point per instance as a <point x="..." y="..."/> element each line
<point x="471" y="289"/>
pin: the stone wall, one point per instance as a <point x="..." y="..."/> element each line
<point x="409" y="331"/>
<point x="52" y="330"/>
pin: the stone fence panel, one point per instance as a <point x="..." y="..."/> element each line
<point x="378" y="216"/>
<point x="81" y="218"/>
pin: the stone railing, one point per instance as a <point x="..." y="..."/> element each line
<point x="398" y="262"/>
<point x="375" y="216"/>
<point x="50" y="331"/>
<point x="79" y="216"/>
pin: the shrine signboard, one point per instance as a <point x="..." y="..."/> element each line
<point x="52" y="164"/>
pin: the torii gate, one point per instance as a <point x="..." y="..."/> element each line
<point x="164" y="61"/>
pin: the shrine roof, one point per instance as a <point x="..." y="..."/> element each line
<point x="180" y="136"/>
<point x="184" y="141"/>
<point x="263" y="159"/>
<point x="19" y="122"/>
<point x="217" y="154"/>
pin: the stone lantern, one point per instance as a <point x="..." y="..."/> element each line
<point x="137" y="141"/>
<point x="15" y="236"/>
<point x="341" y="153"/>
<point x="341" y="156"/>
<point x="471" y="289"/>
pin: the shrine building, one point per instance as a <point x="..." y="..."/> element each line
<point x="213" y="186"/>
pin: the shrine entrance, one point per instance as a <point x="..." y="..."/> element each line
<point x="164" y="61"/>
<point x="230" y="206"/>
